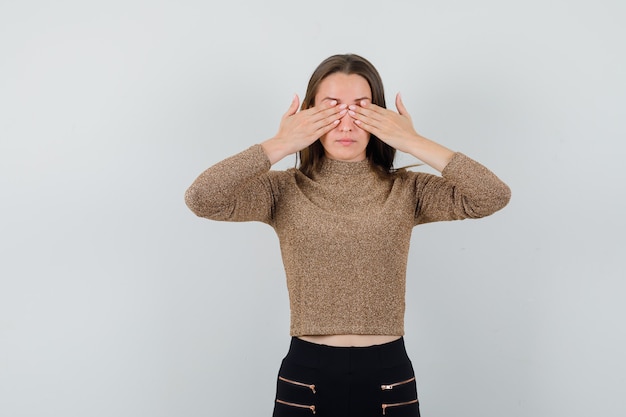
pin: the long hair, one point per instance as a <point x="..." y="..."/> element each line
<point x="379" y="154"/>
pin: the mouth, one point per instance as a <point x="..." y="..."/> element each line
<point x="346" y="141"/>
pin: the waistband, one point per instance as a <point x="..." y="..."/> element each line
<point x="315" y="355"/>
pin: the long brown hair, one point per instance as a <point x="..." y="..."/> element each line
<point x="379" y="154"/>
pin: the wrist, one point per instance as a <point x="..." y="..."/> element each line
<point x="274" y="149"/>
<point x="430" y="152"/>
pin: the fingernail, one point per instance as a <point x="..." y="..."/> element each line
<point x="343" y="106"/>
<point x="352" y="107"/>
<point x="333" y="102"/>
<point x="352" y="113"/>
<point x="363" y="103"/>
<point x="341" y="113"/>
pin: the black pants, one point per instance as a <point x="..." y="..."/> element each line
<point x="346" y="381"/>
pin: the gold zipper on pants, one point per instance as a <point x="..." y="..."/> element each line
<point x="385" y="406"/>
<point x="392" y="386"/>
<point x="310" y="407"/>
<point x="300" y="384"/>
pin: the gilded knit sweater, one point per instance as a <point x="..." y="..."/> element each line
<point x="344" y="233"/>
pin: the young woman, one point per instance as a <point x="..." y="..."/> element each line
<point x="344" y="219"/>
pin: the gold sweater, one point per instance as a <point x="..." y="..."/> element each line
<point x="344" y="234"/>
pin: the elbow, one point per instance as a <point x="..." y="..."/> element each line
<point x="194" y="202"/>
<point x="508" y="195"/>
<point x="488" y="205"/>
<point x="204" y="204"/>
<point x="502" y="197"/>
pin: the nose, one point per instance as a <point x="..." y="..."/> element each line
<point x="346" y="123"/>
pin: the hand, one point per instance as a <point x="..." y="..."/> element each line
<point x="395" y="129"/>
<point x="299" y="129"/>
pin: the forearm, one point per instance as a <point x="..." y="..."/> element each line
<point x="429" y="152"/>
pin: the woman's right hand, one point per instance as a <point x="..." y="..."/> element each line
<point x="299" y="129"/>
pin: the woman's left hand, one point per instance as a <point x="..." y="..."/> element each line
<point x="395" y="129"/>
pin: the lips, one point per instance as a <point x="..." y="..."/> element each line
<point x="346" y="141"/>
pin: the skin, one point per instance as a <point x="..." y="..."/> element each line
<point x="347" y="141"/>
<point x="343" y="118"/>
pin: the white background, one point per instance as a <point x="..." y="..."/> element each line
<point x="115" y="300"/>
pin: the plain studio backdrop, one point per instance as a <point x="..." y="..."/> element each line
<point x="115" y="300"/>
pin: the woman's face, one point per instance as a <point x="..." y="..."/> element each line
<point x="347" y="141"/>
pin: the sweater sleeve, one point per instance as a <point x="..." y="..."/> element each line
<point x="235" y="189"/>
<point x="465" y="190"/>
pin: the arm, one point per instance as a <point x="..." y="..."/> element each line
<point x="239" y="188"/>
<point x="466" y="190"/>
<point x="235" y="189"/>
<point x="396" y="130"/>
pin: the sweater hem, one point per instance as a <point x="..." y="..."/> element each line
<point x="335" y="332"/>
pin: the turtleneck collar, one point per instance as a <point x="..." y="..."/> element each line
<point x="335" y="167"/>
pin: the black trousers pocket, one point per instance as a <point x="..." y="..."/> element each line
<point x="296" y="391"/>
<point x="398" y="392"/>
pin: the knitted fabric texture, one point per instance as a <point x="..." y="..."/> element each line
<point x="344" y="233"/>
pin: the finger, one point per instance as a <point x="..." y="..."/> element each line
<point x="293" y="107"/>
<point x="326" y="108"/>
<point x="321" y="110"/>
<point x="400" y="106"/>
<point x="324" y="105"/>
<point x="373" y="112"/>
<point x="328" y="117"/>
<point x="322" y="130"/>
<point x="371" y="119"/>
<point x="330" y="120"/>
<point x="330" y="113"/>
<point x="367" y="104"/>
<point x="370" y="128"/>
